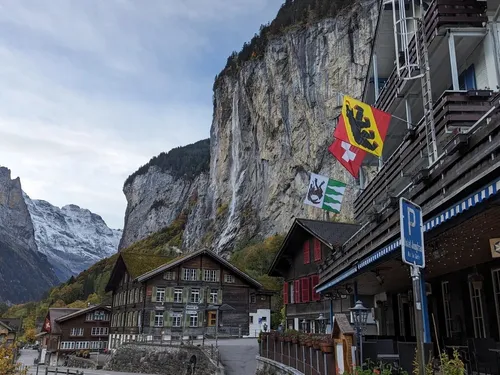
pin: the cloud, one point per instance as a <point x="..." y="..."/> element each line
<point x="93" y="89"/>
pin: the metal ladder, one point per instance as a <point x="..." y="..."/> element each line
<point x="430" y="129"/>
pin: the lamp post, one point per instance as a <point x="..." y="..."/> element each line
<point x="359" y="314"/>
<point x="321" y="323"/>
<point x="304" y="326"/>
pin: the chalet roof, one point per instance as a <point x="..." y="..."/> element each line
<point x="14" y="323"/>
<point x="6" y="326"/>
<point x="179" y="260"/>
<point x="55" y="313"/>
<point x="136" y="265"/>
<point x="81" y="312"/>
<point x="330" y="233"/>
<point x="343" y="324"/>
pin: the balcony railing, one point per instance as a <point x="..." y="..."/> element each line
<point x="441" y="13"/>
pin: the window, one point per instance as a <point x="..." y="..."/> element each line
<point x="476" y="304"/>
<point x="314" y="281"/>
<point x="291" y="295"/>
<point x="253" y="298"/>
<point x="304" y="283"/>
<point x="212" y="318"/>
<point x="169" y="275"/>
<point x="178" y="295"/>
<point x="251" y="319"/>
<point x="193" y="320"/>
<point x="285" y="293"/>
<point x="210" y="275"/>
<point x="307" y="253"/>
<point x="159" y="319"/>
<point x="213" y="296"/>
<point x="495" y="274"/>
<point x="467" y="79"/>
<point x="190" y="274"/>
<point x="76" y="332"/>
<point x="141" y="295"/>
<point x="99" y="331"/>
<point x="317" y="250"/>
<point x="228" y="278"/>
<point x="160" y="294"/>
<point x="195" y="296"/>
<point x="448" y="320"/>
<point x="176" y="319"/>
<point x="296" y="287"/>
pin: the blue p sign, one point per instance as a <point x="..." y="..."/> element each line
<point x="412" y="234"/>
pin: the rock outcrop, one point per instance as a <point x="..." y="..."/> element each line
<point x="272" y="124"/>
<point x="25" y="273"/>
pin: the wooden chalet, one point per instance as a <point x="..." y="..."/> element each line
<point x="307" y="245"/>
<point x="185" y="298"/>
<point x="446" y="162"/>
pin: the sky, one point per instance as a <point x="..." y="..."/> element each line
<point x="91" y="90"/>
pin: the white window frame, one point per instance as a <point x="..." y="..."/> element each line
<point x="177" y="320"/>
<point x="159" y="319"/>
<point x="99" y="331"/>
<point x="168" y="275"/>
<point x="210" y="275"/>
<point x="193" y="320"/>
<point x="178" y="295"/>
<point x="214" y="296"/>
<point x="195" y="296"/>
<point x="448" y="319"/>
<point x="76" y="332"/>
<point x="495" y="278"/>
<point x="160" y="294"/>
<point x="190" y="274"/>
<point x="228" y="278"/>
<point x="476" y="304"/>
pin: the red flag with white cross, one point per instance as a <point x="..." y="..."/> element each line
<point x="348" y="155"/>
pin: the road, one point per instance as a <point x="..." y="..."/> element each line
<point x="238" y="356"/>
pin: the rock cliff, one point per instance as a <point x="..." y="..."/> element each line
<point x="273" y="121"/>
<point x="25" y="274"/>
<point x="71" y="237"/>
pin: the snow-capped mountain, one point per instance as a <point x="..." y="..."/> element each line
<point x="71" y="237"/>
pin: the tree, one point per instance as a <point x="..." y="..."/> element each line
<point x="7" y="364"/>
<point x="58" y="303"/>
<point x="29" y="335"/>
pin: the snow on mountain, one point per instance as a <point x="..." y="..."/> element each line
<point x="71" y="237"/>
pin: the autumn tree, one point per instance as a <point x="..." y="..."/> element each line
<point x="7" y="364"/>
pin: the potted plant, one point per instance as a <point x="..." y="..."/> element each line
<point x="315" y="342"/>
<point x="326" y="345"/>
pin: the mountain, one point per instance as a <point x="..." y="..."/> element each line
<point x="71" y="237"/>
<point x="25" y="273"/>
<point x="275" y="108"/>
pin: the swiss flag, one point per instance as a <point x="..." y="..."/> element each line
<point x="349" y="156"/>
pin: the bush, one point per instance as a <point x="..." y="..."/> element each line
<point x="7" y="365"/>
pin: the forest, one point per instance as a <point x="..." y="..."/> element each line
<point x="293" y="13"/>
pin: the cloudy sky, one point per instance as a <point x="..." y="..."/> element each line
<point x="90" y="90"/>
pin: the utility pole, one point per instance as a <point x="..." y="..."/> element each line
<point x="419" y="326"/>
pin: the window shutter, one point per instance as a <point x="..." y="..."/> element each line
<point x="153" y="295"/>
<point x="169" y="295"/>
<point x="314" y="281"/>
<point x="307" y="253"/>
<point x="285" y="293"/>
<point x="152" y="318"/>
<point x="182" y="273"/>
<point x="207" y="294"/>
<point x="166" y="319"/>
<point x="296" y="291"/>
<point x="219" y="296"/>
<point x="202" y="296"/>
<point x="217" y="276"/>
<point x="317" y="250"/>
<point x="200" y="319"/>
<point x="305" y="289"/>
<point x="185" y="294"/>
<point x="186" y="320"/>
<point x="198" y="274"/>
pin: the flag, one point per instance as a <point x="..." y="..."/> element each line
<point x="364" y="127"/>
<point x="349" y="156"/>
<point x="325" y="193"/>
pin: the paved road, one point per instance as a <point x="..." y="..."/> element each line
<point x="238" y="356"/>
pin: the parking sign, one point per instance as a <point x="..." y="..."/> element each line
<point x="412" y="233"/>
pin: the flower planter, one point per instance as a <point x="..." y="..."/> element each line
<point x="295" y="341"/>
<point x="326" y="347"/>
<point x="288" y="339"/>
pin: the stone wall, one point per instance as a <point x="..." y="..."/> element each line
<point x="79" y="362"/>
<point x="267" y="366"/>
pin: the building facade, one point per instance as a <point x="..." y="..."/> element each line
<point x="192" y="296"/>
<point x="71" y="330"/>
<point x="305" y="248"/>
<point x="441" y="152"/>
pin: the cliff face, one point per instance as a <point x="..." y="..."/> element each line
<point x="24" y="272"/>
<point x="273" y="122"/>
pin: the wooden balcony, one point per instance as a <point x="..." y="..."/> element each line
<point x="463" y="157"/>
<point x="441" y="14"/>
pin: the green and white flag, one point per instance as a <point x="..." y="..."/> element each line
<point x="325" y="193"/>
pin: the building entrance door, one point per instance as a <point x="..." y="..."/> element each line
<point x="212" y="318"/>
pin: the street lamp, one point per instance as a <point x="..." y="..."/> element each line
<point x="304" y="325"/>
<point x="359" y="314"/>
<point x="321" y="323"/>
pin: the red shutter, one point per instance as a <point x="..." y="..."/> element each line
<point x="285" y="293"/>
<point x="305" y="289"/>
<point x="317" y="250"/>
<point x="296" y="291"/>
<point x="307" y="253"/>
<point x="314" y="281"/>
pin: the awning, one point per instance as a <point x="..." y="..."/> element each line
<point x="451" y="212"/>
